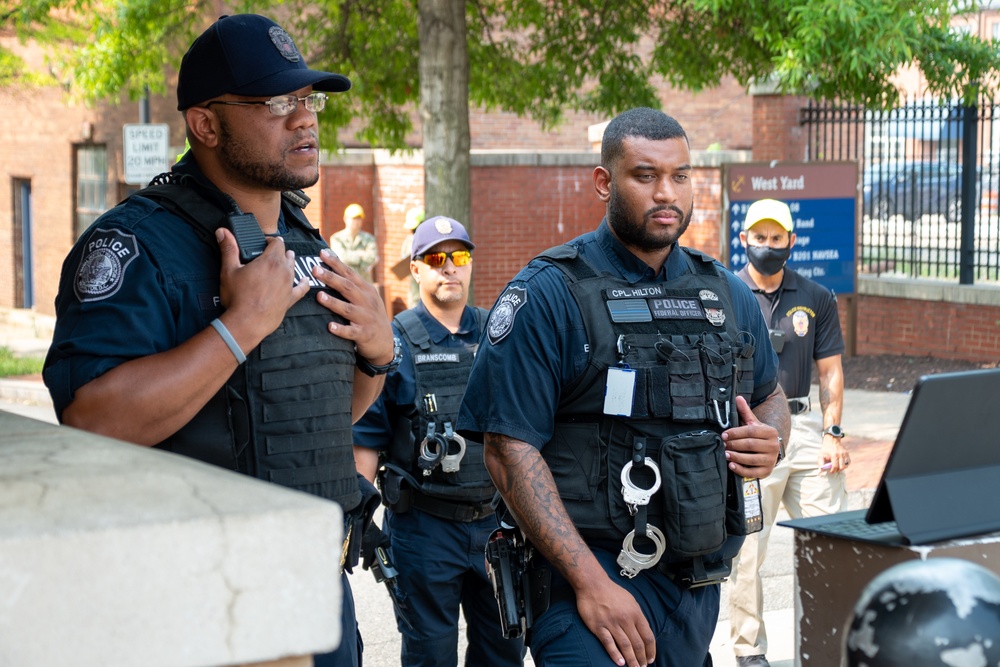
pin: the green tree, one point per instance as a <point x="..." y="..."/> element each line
<point x="538" y="58"/>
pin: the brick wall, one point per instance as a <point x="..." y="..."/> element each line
<point x="37" y="144"/>
<point x="777" y="134"/>
<point x="939" y="329"/>
<point x="517" y="211"/>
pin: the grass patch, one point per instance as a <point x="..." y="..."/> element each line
<point x="11" y="365"/>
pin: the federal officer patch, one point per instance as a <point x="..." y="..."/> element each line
<point x="502" y="319"/>
<point x="107" y="254"/>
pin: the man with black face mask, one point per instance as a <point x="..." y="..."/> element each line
<point x="804" y="328"/>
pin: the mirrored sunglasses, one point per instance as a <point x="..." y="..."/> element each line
<point x="437" y="259"/>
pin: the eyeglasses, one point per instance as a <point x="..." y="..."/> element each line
<point x="437" y="259"/>
<point x="284" y="105"/>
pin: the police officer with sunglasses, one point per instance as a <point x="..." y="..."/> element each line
<point x="434" y="482"/>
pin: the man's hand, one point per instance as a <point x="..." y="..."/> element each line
<point x="751" y="448"/>
<point x="613" y="615"/>
<point x="367" y="322"/>
<point x="833" y="453"/>
<point x="257" y="295"/>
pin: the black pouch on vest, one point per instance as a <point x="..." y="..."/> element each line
<point x="717" y="365"/>
<point x="695" y="485"/>
<point x="687" y="383"/>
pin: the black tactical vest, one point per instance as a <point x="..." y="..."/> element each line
<point x="688" y="361"/>
<point x="441" y="375"/>
<point x="285" y="414"/>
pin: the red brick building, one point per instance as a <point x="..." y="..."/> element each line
<point x="61" y="165"/>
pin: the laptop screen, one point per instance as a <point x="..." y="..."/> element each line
<point x="940" y="479"/>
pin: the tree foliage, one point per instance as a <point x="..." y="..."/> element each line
<point x="539" y="58"/>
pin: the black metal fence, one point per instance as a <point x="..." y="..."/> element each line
<point x="930" y="174"/>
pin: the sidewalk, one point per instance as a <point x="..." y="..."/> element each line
<point x="871" y="421"/>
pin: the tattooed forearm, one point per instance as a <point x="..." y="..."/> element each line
<point x="774" y="412"/>
<point x="526" y="484"/>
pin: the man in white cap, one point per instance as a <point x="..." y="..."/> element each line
<point x="354" y="246"/>
<point x="804" y="328"/>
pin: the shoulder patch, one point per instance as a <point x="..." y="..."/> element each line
<point x="107" y="254"/>
<point x="502" y="319"/>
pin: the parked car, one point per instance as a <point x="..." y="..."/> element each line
<point x="912" y="189"/>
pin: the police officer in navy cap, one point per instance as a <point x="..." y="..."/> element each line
<point x="254" y="353"/>
<point x="434" y="483"/>
<point x="625" y="388"/>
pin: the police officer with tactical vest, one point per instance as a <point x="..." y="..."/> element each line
<point x="629" y="401"/>
<point x="205" y="316"/>
<point x="435" y="486"/>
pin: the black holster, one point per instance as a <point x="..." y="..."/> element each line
<point x="358" y="520"/>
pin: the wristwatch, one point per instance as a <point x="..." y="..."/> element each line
<point x="371" y="370"/>
<point x="834" y="430"/>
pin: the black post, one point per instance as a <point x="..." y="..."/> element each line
<point x="144" y="107"/>
<point x="967" y="249"/>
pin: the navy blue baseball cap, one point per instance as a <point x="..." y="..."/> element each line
<point x="247" y="54"/>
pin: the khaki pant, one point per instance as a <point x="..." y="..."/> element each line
<point x="805" y="491"/>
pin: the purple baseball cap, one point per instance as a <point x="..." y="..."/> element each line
<point x="435" y="230"/>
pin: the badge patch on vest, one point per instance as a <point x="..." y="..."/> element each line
<point x="714" y="312"/>
<point x="108" y="253"/>
<point x="502" y="319"/>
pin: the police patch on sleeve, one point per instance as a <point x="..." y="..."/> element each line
<point x="107" y="254"/>
<point x="502" y="319"/>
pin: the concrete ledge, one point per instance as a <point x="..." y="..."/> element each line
<point x="113" y="554"/>
<point x="929" y="290"/>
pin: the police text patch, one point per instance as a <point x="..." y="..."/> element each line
<point x="676" y="308"/>
<point x="107" y="254"/>
<point x="502" y="318"/>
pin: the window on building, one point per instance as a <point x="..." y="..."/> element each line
<point x="21" y="245"/>
<point x="91" y="185"/>
<point x="996" y="30"/>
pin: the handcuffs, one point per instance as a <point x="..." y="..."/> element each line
<point x="435" y="449"/>
<point x="630" y="559"/>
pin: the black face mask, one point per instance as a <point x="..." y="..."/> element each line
<point x="768" y="260"/>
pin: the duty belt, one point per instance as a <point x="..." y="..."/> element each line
<point x="696" y="573"/>
<point x="453" y="511"/>
<point x="797" y="406"/>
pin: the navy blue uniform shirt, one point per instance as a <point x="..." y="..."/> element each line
<point x="138" y="282"/>
<point x="517" y="382"/>
<point x="374" y="429"/>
